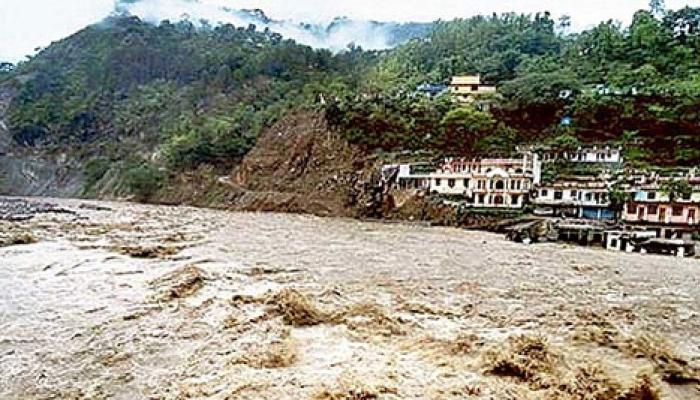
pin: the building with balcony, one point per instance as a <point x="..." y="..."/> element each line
<point x="578" y="197"/>
<point x="675" y="216"/>
<point x="594" y="154"/>
<point x="488" y="183"/>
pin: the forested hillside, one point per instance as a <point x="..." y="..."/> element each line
<point x="140" y="104"/>
<point x="204" y="94"/>
<point x="638" y="86"/>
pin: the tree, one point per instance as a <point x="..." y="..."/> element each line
<point x="143" y="180"/>
<point x="657" y="7"/>
<point x="618" y="199"/>
<point x="677" y="189"/>
<point x="564" y="24"/>
<point x="462" y="127"/>
<point x="565" y="142"/>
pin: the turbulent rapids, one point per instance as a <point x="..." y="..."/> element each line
<point x="117" y="300"/>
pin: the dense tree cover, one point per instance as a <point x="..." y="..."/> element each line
<point x="203" y="94"/>
<point x="606" y="81"/>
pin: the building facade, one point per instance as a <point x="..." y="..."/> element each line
<point x="582" y="197"/>
<point x="586" y="154"/>
<point x="488" y="183"/>
<point x="468" y="87"/>
<point x="652" y="207"/>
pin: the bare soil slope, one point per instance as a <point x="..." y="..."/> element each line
<point x="299" y="165"/>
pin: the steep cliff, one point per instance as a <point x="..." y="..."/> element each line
<point x="299" y="165"/>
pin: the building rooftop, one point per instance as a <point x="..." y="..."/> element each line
<point x="466" y="80"/>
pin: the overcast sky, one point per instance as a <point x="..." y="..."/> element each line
<point x="27" y="24"/>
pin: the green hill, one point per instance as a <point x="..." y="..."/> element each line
<point x="143" y="103"/>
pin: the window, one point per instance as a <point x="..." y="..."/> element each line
<point x="475" y="88"/>
<point x="514" y="200"/>
<point x="438" y="181"/>
<point x="677" y="211"/>
<point x="574" y="194"/>
<point x="651" y="196"/>
<point x="653" y="210"/>
<point x="451" y="183"/>
<point x="545" y="192"/>
<point x="482" y="198"/>
<point x="632" y="209"/>
<point x="558" y="195"/>
<point x="466" y="183"/>
<point x="500" y="185"/>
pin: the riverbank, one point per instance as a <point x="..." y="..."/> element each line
<point x="134" y="301"/>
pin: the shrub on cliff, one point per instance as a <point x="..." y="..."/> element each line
<point x="143" y="180"/>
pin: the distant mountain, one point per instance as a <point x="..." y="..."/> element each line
<point x="336" y="34"/>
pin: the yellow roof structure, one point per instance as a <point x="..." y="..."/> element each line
<point x="466" y="80"/>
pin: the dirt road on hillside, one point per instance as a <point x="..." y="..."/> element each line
<point x="129" y="301"/>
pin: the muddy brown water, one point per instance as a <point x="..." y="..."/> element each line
<point x="99" y="307"/>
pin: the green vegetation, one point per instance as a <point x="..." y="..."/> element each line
<point x="608" y="81"/>
<point x="176" y="96"/>
<point x="143" y="179"/>
<point x="95" y="169"/>
<point x="5" y="70"/>
<point x="677" y="189"/>
<point x="210" y="90"/>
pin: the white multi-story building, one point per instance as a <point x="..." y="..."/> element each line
<point x="581" y="197"/>
<point x="587" y="154"/>
<point x="488" y="183"/>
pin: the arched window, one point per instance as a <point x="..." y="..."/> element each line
<point x="498" y="200"/>
<point x="500" y="185"/>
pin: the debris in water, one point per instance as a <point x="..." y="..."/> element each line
<point x="281" y="353"/>
<point x="672" y="367"/>
<point x="157" y="251"/>
<point x="528" y="358"/>
<point x="296" y="308"/>
<point x="181" y="283"/>
<point x="16" y="238"/>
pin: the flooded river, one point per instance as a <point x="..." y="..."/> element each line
<point x="125" y="301"/>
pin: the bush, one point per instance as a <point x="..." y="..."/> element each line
<point x="211" y="140"/>
<point x="143" y="180"/>
<point x="95" y="169"/>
